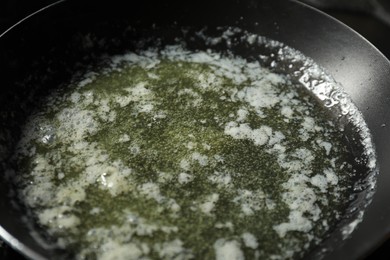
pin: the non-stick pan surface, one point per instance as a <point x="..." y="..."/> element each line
<point x="48" y="42"/>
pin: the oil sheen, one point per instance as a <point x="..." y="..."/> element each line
<point x="173" y="154"/>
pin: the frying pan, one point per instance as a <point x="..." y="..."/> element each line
<point x="46" y="49"/>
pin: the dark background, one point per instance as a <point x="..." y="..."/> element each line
<point x="374" y="30"/>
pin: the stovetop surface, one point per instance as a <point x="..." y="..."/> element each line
<point x="369" y="27"/>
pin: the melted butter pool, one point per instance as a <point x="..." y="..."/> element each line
<point x="173" y="154"/>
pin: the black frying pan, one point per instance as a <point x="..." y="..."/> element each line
<point x="45" y="51"/>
